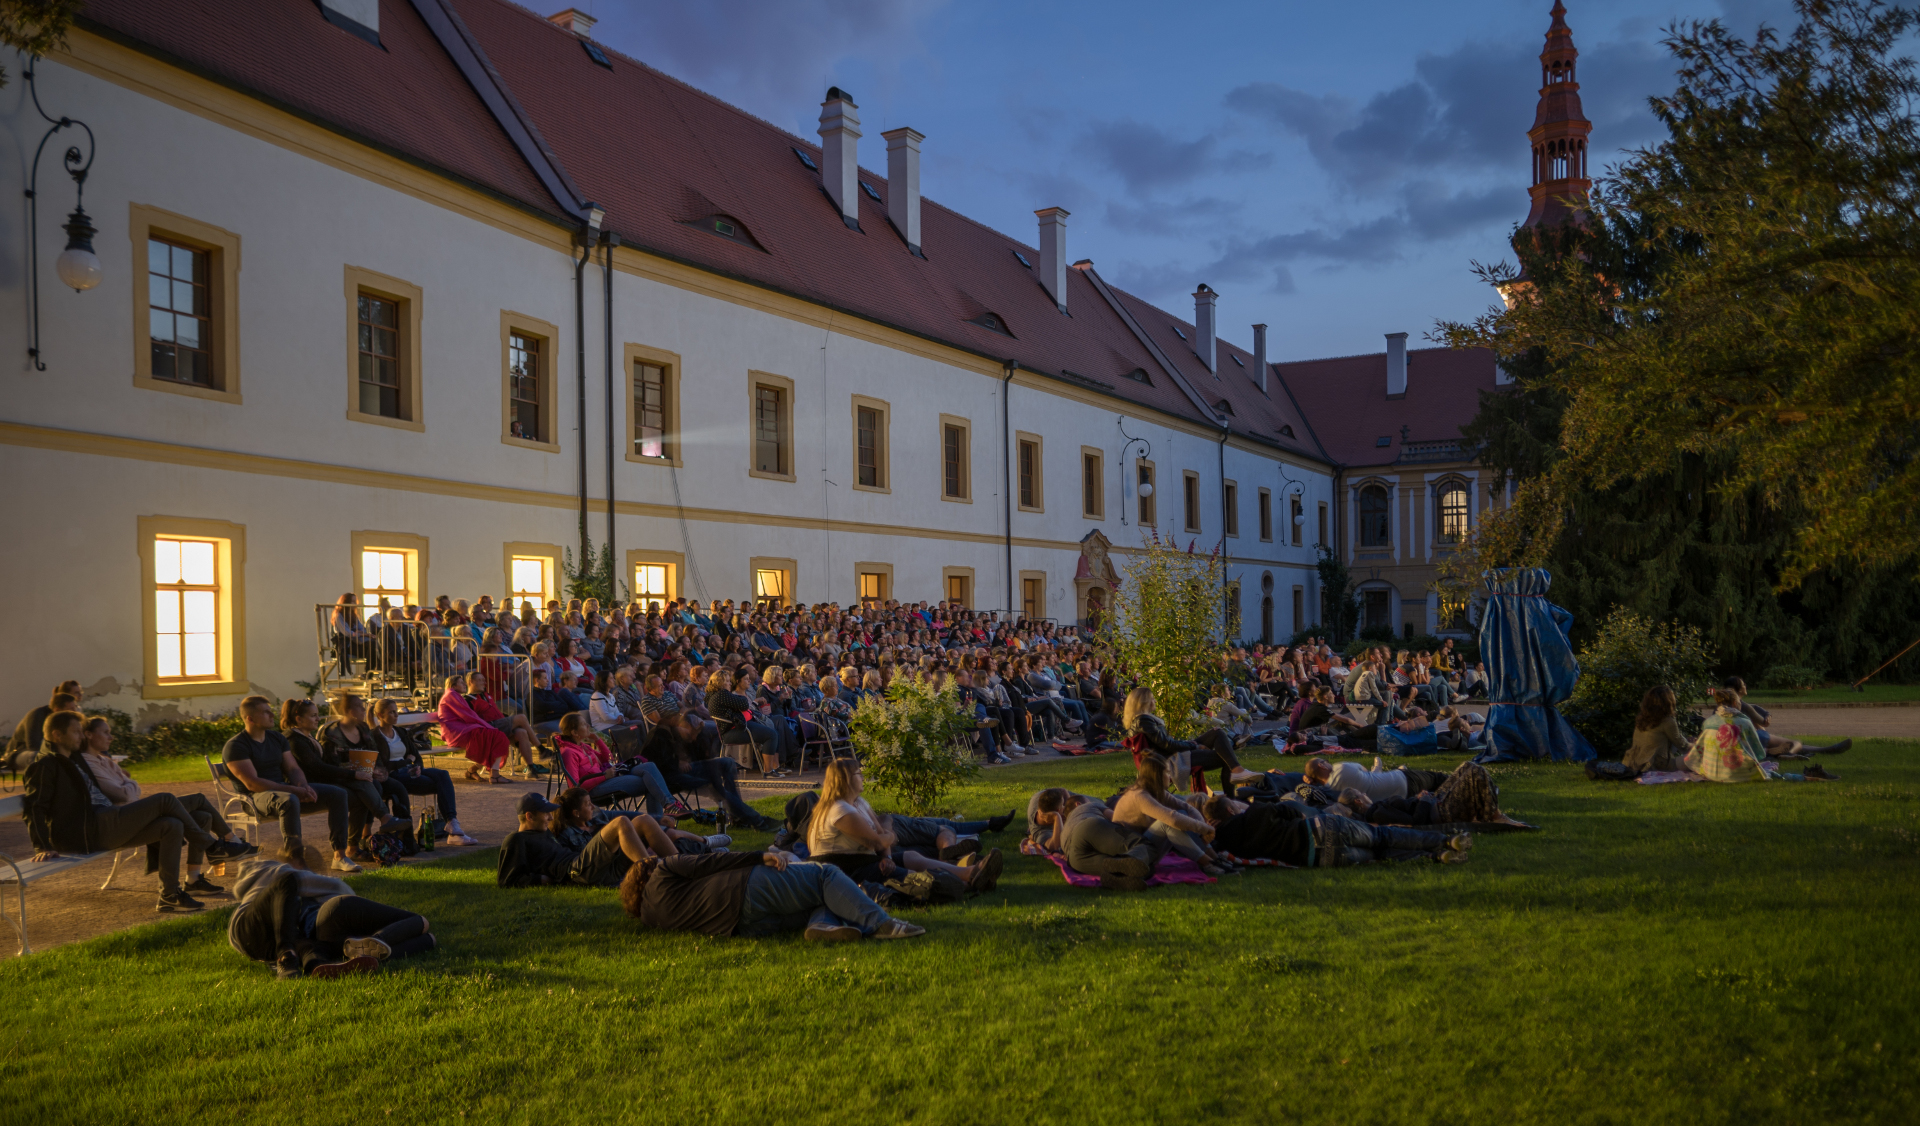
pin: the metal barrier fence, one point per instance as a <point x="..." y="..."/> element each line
<point x="387" y="659"/>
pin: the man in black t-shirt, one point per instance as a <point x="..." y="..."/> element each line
<point x="534" y="856"/>
<point x="261" y="761"/>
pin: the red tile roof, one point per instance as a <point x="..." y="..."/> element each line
<point x="1346" y="400"/>
<point x="659" y="156"/>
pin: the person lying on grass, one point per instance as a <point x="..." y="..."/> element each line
<point x="1094" y="845"/>
<point x="753" y="894"/>
<point x="1047" y="817"/>
<point x="1463" y="797"/>
<point x="533" y="856"/>
<point x="845" y="832"/>
<point x="1147" y="807"/>
<point x="1293" y="833"/>
<point x="577" y="822"/>
<point x="306" y="924"/>
<point x="1729" y="748"/>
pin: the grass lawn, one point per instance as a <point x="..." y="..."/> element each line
<point x="1690" y="953"/>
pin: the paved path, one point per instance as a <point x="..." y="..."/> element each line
<point x="1858" y="723"/>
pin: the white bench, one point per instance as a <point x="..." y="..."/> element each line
<point x="28" y="871"/>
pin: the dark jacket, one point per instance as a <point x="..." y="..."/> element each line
<point x="1153" y="734"/>
<point x="1280" y="831"/>
<point x="698" y="893"/>
<point x="58" y="806"/>
<point x="314" y="764"/>
<point x="28" y="733"/>
<point x="549" y="706"/>
<point x="727" y="708"/>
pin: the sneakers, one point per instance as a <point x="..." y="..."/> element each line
<point x="1819" y="773"/>
<point x="678" y="808"/>
<point x="999" y="824"/>
<point x="820" y="932"/>
<point x="984" y="873"/>
<point x="998" y="759"/>
<point x="343" y="864"/>
<point x="229" y="850"/>
<point x="718" y="841"/>
<point x="1460" y="842"/>
<point x="200" y="885"/>
<point x="368" y="947"/>
<point x="364" y="964"/>
<point x="895" y="928"/>
<point x="1452" y="856"/>
<point x="178" y="901"/>
<point x="961" y="848"/>
<point x="287" y="965"/>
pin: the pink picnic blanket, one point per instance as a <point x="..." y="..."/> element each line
<point x="1662" y="777"/>
<point x="1172" y="870"/>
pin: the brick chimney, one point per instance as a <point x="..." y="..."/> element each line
<point x="903" y="183"/>
<point x="1203" y="301"/>
<point x="840" y="153"/>
<point x="572" y="19"/>
<point x="1053" y="253"/>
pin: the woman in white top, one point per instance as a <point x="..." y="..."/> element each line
<point x="845" y="831"/>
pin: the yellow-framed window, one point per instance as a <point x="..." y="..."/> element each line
<point x="186" y="582"/>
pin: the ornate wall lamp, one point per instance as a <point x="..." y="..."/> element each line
<point x="77" y="265"/>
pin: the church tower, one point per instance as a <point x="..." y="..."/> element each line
<point x="1559" y="133"/>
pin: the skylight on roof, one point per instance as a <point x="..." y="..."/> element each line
<point x="729" y="228"/>
<point x="596" y="54"/>
<point x="1178" y="333"/>
<point x="1236" y="361"/>
<point x="1023" y="260"/>
<point x="1287" y="430"/>
<point x="1139" y="375"/>
<point x="871" y="194"/>
<point x="806" y="160"/>
<point x="1383" y="440"/>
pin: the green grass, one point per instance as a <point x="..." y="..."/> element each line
<point x="1688" y="953"/>
<point x="1873" y="693"/>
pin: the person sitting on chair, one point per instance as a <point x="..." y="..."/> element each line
<point x="533" y="856"/>
<point x="261" y="760"/>
<point x="689" y="758"/>
<point x="66" y="811"/>
<point x="590" y="764"/>
<point x="300" y="721"/>
<point x="752" y="894"/>
<point x="120" y="788"/>
<point x="30" y="732"/>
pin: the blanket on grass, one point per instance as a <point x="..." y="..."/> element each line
<point x="1661" y="777"/>
<point x="1076" y="752"/>
<point x="1172" y="870"/>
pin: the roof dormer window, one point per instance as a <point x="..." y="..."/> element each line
<point x="992" y="322"/>
<point x="729" y="228"/>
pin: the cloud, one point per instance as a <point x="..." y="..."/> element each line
<point x="1187" y="217"/>
<point x="1147" y="158"/>
<point x="772" y="57"/>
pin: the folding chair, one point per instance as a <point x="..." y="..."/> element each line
<point x="236" y="807"/>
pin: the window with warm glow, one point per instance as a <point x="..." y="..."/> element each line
<point x="383" y="575"/>
<point x="186" y="581"/>
<point x="532" y="581"/>
<point x="650" y="582"/>
<point x="770" y="585"/>
<point x="871" y="587"/>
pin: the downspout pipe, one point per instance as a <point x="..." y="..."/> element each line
<point x="580" y="371"/>
<point x="606" y="269"/>
<point x="1006" y="469"/>
<point x="1226" y="616"/>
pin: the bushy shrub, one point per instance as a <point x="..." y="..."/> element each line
<point x="1791" y="678"/>
<point x="195" y="735"/>
<point x="910" y="742"/>
<point x="1629" y="655"/>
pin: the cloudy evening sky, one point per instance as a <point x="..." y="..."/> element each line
<point x="1330" y="168"/>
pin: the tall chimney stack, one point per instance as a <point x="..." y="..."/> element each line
<point x="1396" y="365"/>
<point x="840" y="153"/>
<point x="1203" y="299"/>
<point x="1260" y="357"/>
<point x="903" y="184"/>
<point x="1053" y="253"/>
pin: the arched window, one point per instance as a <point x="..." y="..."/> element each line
<point x="1453" y="511"/>
<point x="1376" y="523"/>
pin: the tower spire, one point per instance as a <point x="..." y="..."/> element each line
<point x="1559" y="133"/>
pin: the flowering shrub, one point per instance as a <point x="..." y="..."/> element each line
<point x="911" y="742"/>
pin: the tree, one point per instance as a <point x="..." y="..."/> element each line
<point x="1164" y="628"/>
<point x="35" y="27"/>
<point x="1771" y="316"/>
<point x="1713" y="415"/>
<point x="910" y="742"/>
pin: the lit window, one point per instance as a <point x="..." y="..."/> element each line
<point x="186" y="580"/>
<point x="180" y="313"/>
<point x="770" y="585"/>
<point x="1030" y="596"/>
<point x="383" y="578"/>
<point x="523" y="373"/>
<point x="871" y="587"/>
<point x="1453" y="512"/>
<point x="650" y="410"/>
<point x="532" y="581"/>
<point x="650" y="582"/>
<point x="960" y="591"/>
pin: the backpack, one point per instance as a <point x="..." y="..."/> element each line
<point x="385" y="848"/>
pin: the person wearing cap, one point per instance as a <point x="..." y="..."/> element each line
<point x="534" y="856"/>
<point x="754" y="894"/>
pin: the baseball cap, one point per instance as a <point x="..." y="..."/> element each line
<point x="532" y="802"/>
